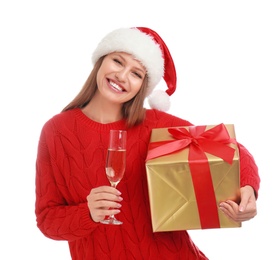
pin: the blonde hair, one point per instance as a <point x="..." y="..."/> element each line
<point x="133" y="110"/>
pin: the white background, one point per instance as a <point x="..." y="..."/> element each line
<point x="227" y="60"/>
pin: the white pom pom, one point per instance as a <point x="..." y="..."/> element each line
<point x="159" y="100"/>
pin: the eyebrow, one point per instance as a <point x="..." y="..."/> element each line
<point x="137" y="68"/>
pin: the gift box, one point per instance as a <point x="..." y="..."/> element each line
<point x="190" y="170"/>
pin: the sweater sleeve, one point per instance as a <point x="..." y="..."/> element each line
<point x="56" y="218"/>
<point x="249" y="174"/>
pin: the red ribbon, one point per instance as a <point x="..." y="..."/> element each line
<point x="214" y="141"/>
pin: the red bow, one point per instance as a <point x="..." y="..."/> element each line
<point x="214" y="141"/>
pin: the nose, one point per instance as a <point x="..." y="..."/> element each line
<point x="121" y="75"/>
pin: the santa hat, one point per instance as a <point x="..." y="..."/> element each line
<point x="148" y="48"/>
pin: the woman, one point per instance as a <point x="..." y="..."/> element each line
<point x="72" y="191"/>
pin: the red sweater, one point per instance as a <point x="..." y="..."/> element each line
<point x="71" y="161"/>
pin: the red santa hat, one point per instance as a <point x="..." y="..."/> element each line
<point x="148" y="48"/>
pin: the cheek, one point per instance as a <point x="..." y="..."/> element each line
<point x="136" y="90"/>
<point x="100" y="77"/>
<point x="136" y="86"/>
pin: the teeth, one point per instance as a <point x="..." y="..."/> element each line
<point x="115" y="86"/>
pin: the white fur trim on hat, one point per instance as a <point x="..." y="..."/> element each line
<point x="140" y="45"/>
<point x="159" y="99"/>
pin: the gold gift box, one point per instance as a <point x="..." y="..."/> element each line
<point x="172" y="196"/>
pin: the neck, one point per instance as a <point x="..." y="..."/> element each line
<point x="103" y="112"/>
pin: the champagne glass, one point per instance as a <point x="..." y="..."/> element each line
<point x="115" y="164"/>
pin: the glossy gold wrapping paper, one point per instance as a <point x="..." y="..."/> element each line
<point x="171" y="192"/>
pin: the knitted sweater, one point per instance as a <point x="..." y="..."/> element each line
<point x="71" y="161"/>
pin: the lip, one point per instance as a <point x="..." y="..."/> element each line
<point x="116" y="86"/>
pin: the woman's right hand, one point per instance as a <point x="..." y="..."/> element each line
<point x="103" y="201"/>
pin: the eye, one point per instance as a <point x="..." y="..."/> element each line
<point x="138" y="75"/>
<point x="117" y="61"/>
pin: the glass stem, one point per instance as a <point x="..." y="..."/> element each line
<point x="113" y="184"/>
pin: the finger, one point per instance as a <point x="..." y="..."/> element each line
<point x="105" y="204"/>
<point x="243" y="205"/>
<point x="99" y="215"/>
<point x="247" y="195"/>
<point x="229" y="208"/>
<point x="100" y="209"/>
<point x="106" y="212"/>
<point x="107" y="189"/>
<point x="106" y="196"/>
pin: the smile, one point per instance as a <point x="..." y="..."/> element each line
<point x="115" y="86"/>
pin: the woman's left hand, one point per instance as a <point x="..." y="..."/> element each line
<point x="246" y="210"/>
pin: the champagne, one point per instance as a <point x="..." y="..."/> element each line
<point x="115" y="166"/>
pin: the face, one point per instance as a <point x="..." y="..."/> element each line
<point x="120" y="77"/>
